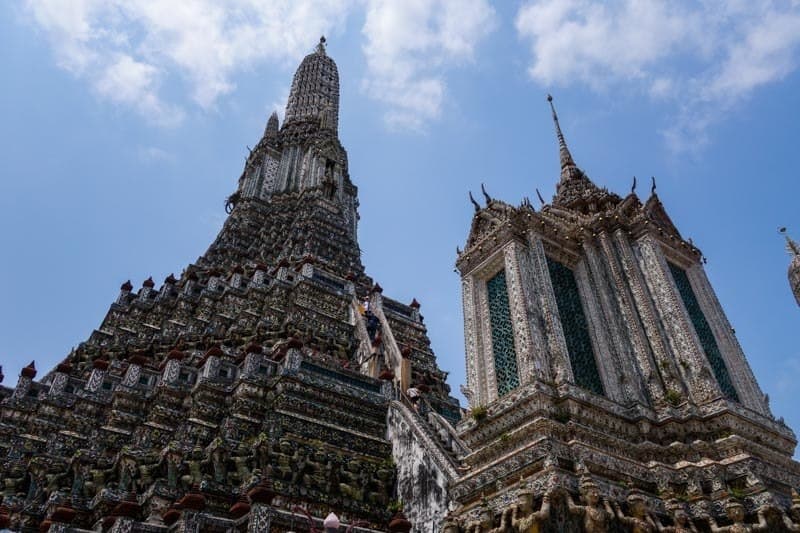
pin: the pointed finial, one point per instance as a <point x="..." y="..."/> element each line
<point x="474" y="203"/>
<point x="633" y="187"/>
<point x="653" y="186"/>
<point x="321" y="45"/>
<point x="540" y="196"/>
<point x="486" y="194"/>
<point x="563" y="151"/>
<point x="791" y="245"/>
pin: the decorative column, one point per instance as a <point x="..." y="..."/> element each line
<point x="529" y="340"/>
<point x="548" y="309"/>
<point x="662" y="366"/>
<point x="131" y="378"/>
<point x="171" y="368"/>
<point x="124" y="293"/>
<point x="26" y="376"/>
<point x="486" y="351"/>
<point x="476" y="378"/>
<point x="98" y="375"/>
<point x="682" y="339"/>
<point x="633" y="343"/>
<point x="260" y="497"/>
<point x="60" y="379"/>
<point x="603" y="328"/>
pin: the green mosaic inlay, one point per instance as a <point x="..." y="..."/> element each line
<point x="505" y="357"/>
<point x="701" y="326"/>
<point x="575" y="327"/>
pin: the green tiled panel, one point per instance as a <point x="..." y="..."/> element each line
<point x="574" y="325"/>
<point x="707" y="340"/>
<point x="505" y="357"/>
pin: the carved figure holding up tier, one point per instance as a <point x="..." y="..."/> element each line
<point x="640" y="520"/>
<point x="680" y="518"/>
<point x="524" y="519"/>
<point x="596" y="516"/>
<point x="735" y="512"/>
<point x="792" y="520"/>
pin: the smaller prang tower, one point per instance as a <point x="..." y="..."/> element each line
<point x="599" y="360"/>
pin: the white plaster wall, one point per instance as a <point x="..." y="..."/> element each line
<point x="421" y="484"/>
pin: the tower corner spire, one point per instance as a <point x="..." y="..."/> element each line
<point x="271" y="129"/>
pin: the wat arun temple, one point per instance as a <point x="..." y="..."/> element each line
<point x="274" y="387"/>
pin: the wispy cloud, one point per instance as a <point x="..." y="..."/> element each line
<point x="129" y="50"/>
<point x="701" y="56"/>
<point x="154" y="154"/>
<point x="408" y="44"/>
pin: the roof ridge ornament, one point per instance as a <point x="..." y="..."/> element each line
<point x="540" y="196"/>
<point x="486" y="194"/>
<point x="474" y="203"/>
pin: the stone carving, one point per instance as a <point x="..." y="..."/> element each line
<point x="484" y="523"/>
<point x="596" y="513"/>
<point x="640" y="520"/>
<point x="736" y="514"/>
<point x="680" y="518"/>
<point x="523" y="518"/>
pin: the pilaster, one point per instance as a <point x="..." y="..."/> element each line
<point x="602" y="328"/>
<point x="538" y="366"/>
<point x="561" y="369"/>
<point x="476" y="382"/>
<point x="662" y="374"/>
<point x="523" y="346"/>
<point x="681" y="337"/>
<point x="635" y="347"/>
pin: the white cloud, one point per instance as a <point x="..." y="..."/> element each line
<point x="154" y="154"/>
<point x="703" y="56"/>
<point x="408" y="43"/>
<point x="127" y="49"/>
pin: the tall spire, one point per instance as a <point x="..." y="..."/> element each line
<point x="563" y="151"/>
<point x="315" y="91"/>
<point x="575" y="190"/>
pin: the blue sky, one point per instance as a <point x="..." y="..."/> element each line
<point x="125" y="125"/>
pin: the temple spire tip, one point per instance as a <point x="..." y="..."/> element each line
<point x="564" y="154"/>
